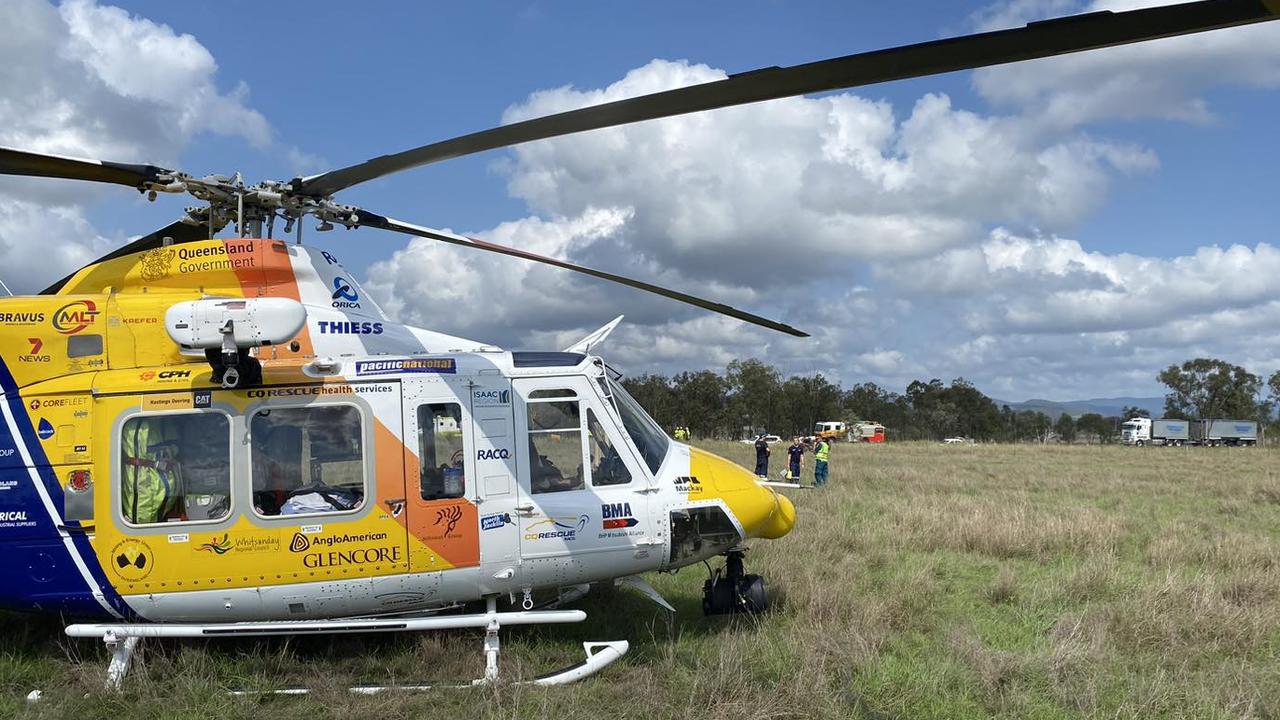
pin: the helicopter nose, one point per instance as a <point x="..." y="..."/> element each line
<point x="761" y="511"/>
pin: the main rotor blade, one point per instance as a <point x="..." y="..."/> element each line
<point x="1036" y="40"/>
<point x="369" y="219"/>
<point x="180" y="232"/>
<point x="22" y="162"/>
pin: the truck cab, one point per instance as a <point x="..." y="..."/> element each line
<point x="830" y="430"/>
<point x="1136" y="431"/>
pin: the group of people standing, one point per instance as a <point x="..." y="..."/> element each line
<point x="795" y="458"/>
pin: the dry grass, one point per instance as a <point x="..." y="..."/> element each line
<point x="925" y="581"/>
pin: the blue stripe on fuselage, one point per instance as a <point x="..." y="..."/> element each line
<point x="38" y="570"/>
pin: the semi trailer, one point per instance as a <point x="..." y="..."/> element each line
<point x="1173" y="432"/>
<point x="1224" y="432"/>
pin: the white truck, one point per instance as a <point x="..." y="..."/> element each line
<point x="1164" y="431"/>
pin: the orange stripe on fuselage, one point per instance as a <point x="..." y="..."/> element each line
<point x="442" y="533"/>
<point x="273" y="276"/>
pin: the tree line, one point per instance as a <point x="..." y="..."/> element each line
<point x="751" y="396"/>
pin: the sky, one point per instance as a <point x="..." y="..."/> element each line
<point x="1061" y="228"/>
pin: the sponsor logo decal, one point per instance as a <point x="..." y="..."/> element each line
<point x="167" y="401"/>
<point x="566" y="529"/>
<point x="495" y="521"/>
<point x="22" y="318"/>
<point x="202" y="399"/>
<point x="35" y="356"/>
<point x="342" y="327"/>
<point x="178" y="538"/>
<point x="361" y="556"/>
<point x="320" y="390"/>
<point x="155" y="263"/>
<point x="215" y="257"/>
<point x="240" y="545"/>
<point x="344" y="296"/>
<point x="14" y="518"/>
<point x="36" y="404"/>
<point x="616" y="516"/>
<point x="74" y="317"/>
<point x="490" y="398"/>
<point x="686" y="484"/>
<point x="302" y="543"/>
<point x="414" y="365"/>
<point x="449" y="517"/>
<point x="338" y="558"/>
<point x="495" y="454"/>
<point x="44" y="430"/>
<point x="164" y="375"/>
<point x="217" y="546"/>
<point x="343" y="556"/>
<point x="131" y="559"/>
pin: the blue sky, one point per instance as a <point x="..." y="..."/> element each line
<point x="1046" y="230"/>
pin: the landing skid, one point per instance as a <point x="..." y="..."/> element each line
<point x="123" y="640"/>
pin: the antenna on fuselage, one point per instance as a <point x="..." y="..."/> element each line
<point x="6" y="288"/>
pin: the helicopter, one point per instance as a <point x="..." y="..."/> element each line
<point x="206" y="436"/>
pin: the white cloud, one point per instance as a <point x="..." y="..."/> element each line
<point x="25" y="232"/>
<point x="1053" y="285"/>
<point x="840" y="176"/>
<point x="90" y="80"/>
<point x="1159" y="79"/>
<point x="870" y="230"/>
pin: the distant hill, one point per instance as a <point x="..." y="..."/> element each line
<point x="1106" y="407"/>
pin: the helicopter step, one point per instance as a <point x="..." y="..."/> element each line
<point x="123" y="639"/>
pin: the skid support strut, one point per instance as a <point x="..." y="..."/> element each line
<point x="121" y="650"/>
<point x="492" y="645"/>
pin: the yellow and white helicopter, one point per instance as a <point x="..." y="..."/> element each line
<point x="227" y="437"/>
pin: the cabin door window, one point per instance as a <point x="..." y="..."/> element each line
<point x="441" y="456"/>
<point x="307" y="460"/>
<point x="175" y="468"/>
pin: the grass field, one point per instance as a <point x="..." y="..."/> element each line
<point x="924" y="582"/>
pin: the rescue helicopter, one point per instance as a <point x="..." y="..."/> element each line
<point x="206" y="436"/>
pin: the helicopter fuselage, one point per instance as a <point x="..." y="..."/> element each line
<point x="370" y="470"/>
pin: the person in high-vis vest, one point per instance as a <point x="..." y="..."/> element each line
<point x="821" y="453"/>
<point x="152" y="482"/>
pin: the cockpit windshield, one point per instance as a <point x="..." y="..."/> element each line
<point x="645" y="433"/>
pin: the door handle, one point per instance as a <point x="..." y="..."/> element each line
<point x="525" y="509"/>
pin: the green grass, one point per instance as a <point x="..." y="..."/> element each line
<point x="924" y="582"/>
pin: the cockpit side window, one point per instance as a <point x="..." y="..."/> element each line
<point x="555" y="441"/>
<point x="607" y="467"/>
<point x="649" y="439"/>
<point x="175" y="468"/>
